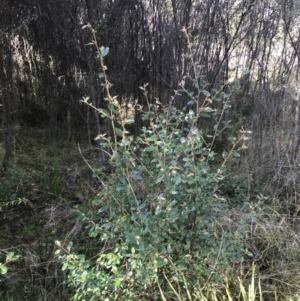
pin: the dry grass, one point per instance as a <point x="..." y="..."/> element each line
<point x="274" y="242"/>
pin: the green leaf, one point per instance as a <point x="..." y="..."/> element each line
<point x="10" y="256"/>
<point x="205" y="115"/>
<point x="142" y="247"/>
<point x="81" y="257"/>
<point x="65" y="266"/>
<point x="70" y="245"/>
<point x="117" y="282"/>
<point x="3" y="269"/>
<point x="101" y="74"/>
<point x="112" y="107"/>
<point x="121" y="188"/>
<point x="206" y="93"/>
<point x="104" y="113"/>
<point x="208" y="109"/>
<point x="106" y="226"/>
<point x="177" y="179"/>
<point x="118" y="132"/>
<point x="142" y="206"/>
<point x="149" y="149"/>
<point x="151" y="138"/>
<point x="136" y="176"/>
<point x="236" y="154"/>
<point x="94" y="234"/>
<point x="129" y="121"/>
<point x="253" y="219"/>
<point x="162" y="116"/>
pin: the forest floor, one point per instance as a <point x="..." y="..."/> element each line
<point x="49" y="176"/>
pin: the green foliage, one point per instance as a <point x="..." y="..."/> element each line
<point x="52" y="180"/>
<point x="9" y="258"/>
<point x="10" y="187"/>
<point x="159" y="212"/>
<point x="160" y="209"/>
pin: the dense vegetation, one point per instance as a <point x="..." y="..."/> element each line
<point x="149" y="150"/>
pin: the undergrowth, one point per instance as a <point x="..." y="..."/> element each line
<point x="44" y="180"/>
<point x="172" y="215"/>
<point x="160" y="212"/>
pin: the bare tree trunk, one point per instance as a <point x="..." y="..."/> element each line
<point x="295" y="135"/>
<point x="7" y="98"/>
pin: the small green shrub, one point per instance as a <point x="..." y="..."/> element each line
<point x="10" y="257"/>
<point x="159" y="212"/>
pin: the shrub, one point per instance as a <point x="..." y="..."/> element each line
<point x="159" y="212"/>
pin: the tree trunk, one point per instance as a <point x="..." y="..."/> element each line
<point x="7" y="98"/>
